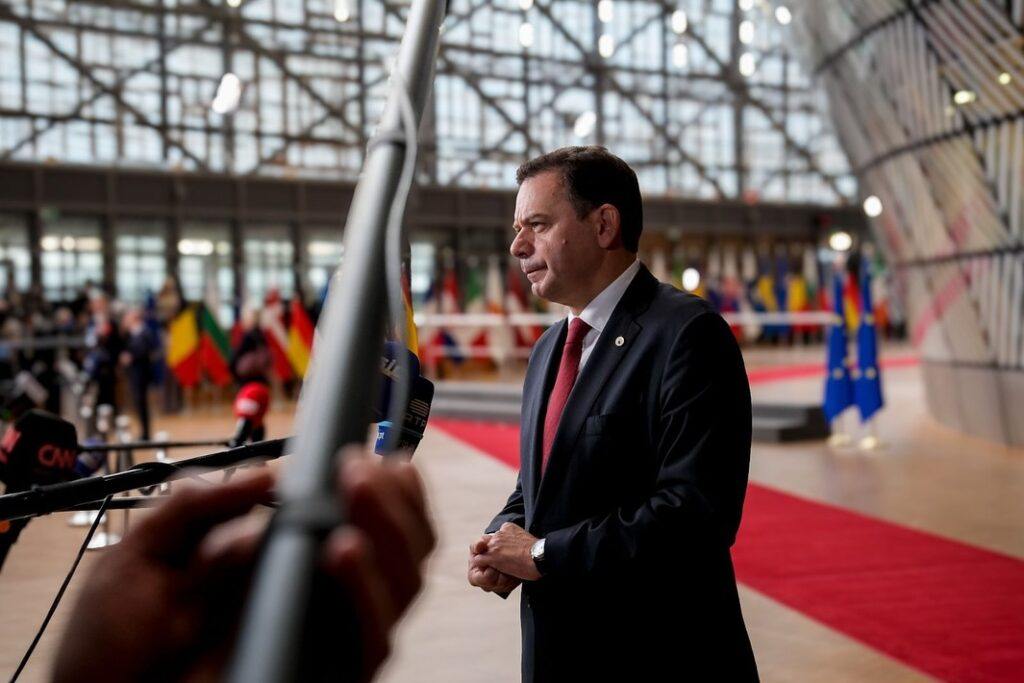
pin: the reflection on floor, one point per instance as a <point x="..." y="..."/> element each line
<point x="925" y="477"/>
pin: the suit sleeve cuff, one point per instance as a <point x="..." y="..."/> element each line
<point x="556" y="553"/>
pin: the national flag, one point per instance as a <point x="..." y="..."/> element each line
<point x="732" y="289"/>
<point x="476" y="304"/>
<point x="183" y="348"/>
<point x="851" y="301"/>
<point x="516" y="302"/>
<point x="272" y="325"/>
<point x="867" y="383"/>
<point x="214" y="349"/>
<point x="412" y="337"/>
<point x="764" y="301"/>
<point x="798" y="299"/>
<point x="499" y="337"/>
<point x="838" y="387"/>
<point x="444" y="341"/>
<point x="781" y="285"/>
<point x="300" y="337"/>
<point x="747" y="273"/>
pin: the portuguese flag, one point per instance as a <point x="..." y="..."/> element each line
<point x="183" y="348"/>
<point x="300" y="337"/>
<point x="214" y="349"/>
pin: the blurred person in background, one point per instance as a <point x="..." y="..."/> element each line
<point x="138" y="358"/>
<point x="251" y="360"/>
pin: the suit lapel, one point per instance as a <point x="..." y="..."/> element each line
<point x="607" y="354"/>
<point x="535" y="400"/>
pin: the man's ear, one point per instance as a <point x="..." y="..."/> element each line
<point x="609" y="227"/>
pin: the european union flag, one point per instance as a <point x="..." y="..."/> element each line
<point x="867" y="378"/>
<point x="838" y="387"/>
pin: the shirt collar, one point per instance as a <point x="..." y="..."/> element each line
<point x="599" y="311"/>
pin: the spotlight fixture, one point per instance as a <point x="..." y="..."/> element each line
<point x="873" y="206"/>
<point x="840" y="240"/>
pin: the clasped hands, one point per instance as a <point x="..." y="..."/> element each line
<point x="498" y="562"/>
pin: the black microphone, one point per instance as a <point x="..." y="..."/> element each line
<point x="37" y="450"/>
<point x="414" y="423"/>
<point x="392" y="353"/>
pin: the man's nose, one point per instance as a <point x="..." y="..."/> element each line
<point x="520" y="247"/>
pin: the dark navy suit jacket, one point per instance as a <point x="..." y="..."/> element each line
<point x="641" y="499"/>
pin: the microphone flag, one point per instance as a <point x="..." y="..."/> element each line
<point x="867" y="377"/>
<point x="838" y="387"/>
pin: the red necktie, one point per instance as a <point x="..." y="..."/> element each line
<point x="568" y="368"/>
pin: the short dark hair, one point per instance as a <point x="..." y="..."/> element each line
<point x="593" y="176"/>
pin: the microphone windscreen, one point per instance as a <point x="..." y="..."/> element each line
<point x="252" y="402"/>
<point x="40" y="448"/>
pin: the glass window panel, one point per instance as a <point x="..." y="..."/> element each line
<point x="204" y="267"/>
<point x="71" y="256"/>
<point x="269" y="262"/>
<point x="141" y="257"/>
<point x="15" y="255"/>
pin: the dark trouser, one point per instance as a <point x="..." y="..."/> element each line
<point x="140" y="397"/>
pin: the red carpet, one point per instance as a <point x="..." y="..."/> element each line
<point x="946" y="608"/>
<point x="777" y="373"/>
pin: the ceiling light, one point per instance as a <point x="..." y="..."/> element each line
<point x="962" y="97"/>
<point x="525" y="4"/>
<point x="1005" y="78"/>
<point x="526" y="34"/>
<point x="840" y="241"/>
<point x="680" y="55"/>
<point x="605" y="11"/>
<point x="783" y="15"/>
<point x="584" y="125"/>
<point x="873" y="206"/>
<point x="342" y="10"/>
<point x="229" y="93"/>
<point x="606" y="46"/>
<point x="746" y="32"/>
<point x="691" y="279"/>
<point x="679" y="22"/>
<point x="748" y="65"/>
<point x="746" y="5"/>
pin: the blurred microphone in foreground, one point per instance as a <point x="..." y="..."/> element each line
<point x="417" y="408"/>
<point x="38" y="449"/>
<point x="189" y="561"/>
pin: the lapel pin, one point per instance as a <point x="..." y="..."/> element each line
<point x="619" y="341"/>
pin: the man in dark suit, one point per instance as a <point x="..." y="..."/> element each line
<point x="635" y="448"/>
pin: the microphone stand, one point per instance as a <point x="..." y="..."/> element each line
<point x="333" y="411"/>
<point x="42" y="500"/>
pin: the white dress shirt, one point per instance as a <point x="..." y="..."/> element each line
<point x="599" y="311"/>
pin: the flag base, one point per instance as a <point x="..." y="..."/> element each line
<point x="870" y="443"/>
<point x="838" y="440"/>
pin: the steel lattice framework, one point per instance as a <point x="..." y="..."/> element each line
<point x="928" y="97"/>
<point x="660" y="82"/>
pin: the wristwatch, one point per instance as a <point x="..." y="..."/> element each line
<point x="537" y="554"/>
